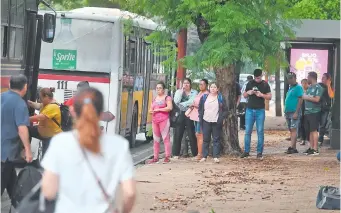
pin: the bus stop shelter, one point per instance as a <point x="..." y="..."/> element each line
<point x="323" y="35"/>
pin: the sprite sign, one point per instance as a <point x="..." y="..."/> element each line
<point x="64" y="59"/>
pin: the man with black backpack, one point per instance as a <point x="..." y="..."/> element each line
<point x="14" y="131"/>
<point x="326" y="103"/>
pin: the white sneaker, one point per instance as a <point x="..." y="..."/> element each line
<point x="175" y="157"/>
<point x="202" y="160"/>
<point x="216" y="160"/>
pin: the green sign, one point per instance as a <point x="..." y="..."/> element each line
<point x="64" y="59"/>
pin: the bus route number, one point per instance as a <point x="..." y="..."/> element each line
<point x="61" y="84"/>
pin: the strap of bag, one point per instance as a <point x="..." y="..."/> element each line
<point x="54" y="120"/>
<point x="99" y="182"/>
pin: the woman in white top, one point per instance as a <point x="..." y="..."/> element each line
<point x="212" y="112"/>
<point x="86" y="167"/>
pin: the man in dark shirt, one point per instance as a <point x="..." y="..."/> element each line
<point x="257" y="91"/>
<point x="14" y="121"/>
<point x="326" y="103"/>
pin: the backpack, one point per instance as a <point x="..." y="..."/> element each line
<point x="27" y="178"/>
<point x="66" y="118"/>
<point x="174" y="115"/>
<point x="325" y="101"/>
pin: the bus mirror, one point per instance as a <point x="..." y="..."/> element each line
<point x="49" y="27"/>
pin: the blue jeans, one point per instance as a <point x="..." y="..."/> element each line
<point x="252" y="116"/>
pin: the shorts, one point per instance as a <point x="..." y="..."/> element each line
<point x="197" y="127"/>
<point x="292" y="123"/>
<point x="311" y="122"/>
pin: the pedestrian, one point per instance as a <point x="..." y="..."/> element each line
<point x="80" y="85"/>
<point x="14" y="131"/>
<point x="326" y="103"/>
<point x="86" y="167"/>
<point x="238" y="94"/>
<point x="212" y="112"/>
<point x="160" y="108"/>
<point x="301" y="133"/>
<point x="193" y="114"/>
<point x="184" y="98"/>
<point x="257" y="91"/>
<point x="49" y="118"/>
<point x="312" y="112"/>
<point x="292" y="110"/>
<point x="243" y="103"/>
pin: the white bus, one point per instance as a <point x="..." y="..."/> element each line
<point x="91" y="44"/>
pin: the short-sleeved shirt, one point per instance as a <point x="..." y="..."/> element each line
<point x="78" y="190"/>
<point x="69" y="102"/>
<point x="255" y="102"/>
<point x="326" y="101"/>
<point x="49" y="128"/>
<point x="14" y="113"/>
<point x="158" y="104"/>
<point x="313" y="107"/>
<point x="294" y="93"/>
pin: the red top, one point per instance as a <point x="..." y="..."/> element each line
<point x="69" y="102"/>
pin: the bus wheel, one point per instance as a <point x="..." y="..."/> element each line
<point x="133" y="132"/>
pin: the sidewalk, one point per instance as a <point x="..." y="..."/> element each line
<point x="279" y="183"/>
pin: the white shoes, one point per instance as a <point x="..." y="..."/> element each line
<point x="216" y="160"/>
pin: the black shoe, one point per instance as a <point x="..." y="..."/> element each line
<point x="260" y="156"/>
<point x="245" y="155"/>
<point x="313" y="152"/>
<point x="291" y="151"/>
<point x="307" y="151"/>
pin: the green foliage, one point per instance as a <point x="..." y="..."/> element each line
<point x="314" y="9"/>
<point x="230" y="31"/>
<point x="72" y="4"/>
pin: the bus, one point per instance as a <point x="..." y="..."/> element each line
<point x="92" y="44"/>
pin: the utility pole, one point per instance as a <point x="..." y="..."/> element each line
<point x="182" y="43"/>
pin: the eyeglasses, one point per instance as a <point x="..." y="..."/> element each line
<point x="159" y="88"/>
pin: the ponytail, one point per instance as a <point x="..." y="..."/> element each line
<point x="88" y="127"/>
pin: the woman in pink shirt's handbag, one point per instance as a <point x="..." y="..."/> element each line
<point x="160" y="108"/>
<point x="193" y="114"/>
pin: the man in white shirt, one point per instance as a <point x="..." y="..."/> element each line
<point x="242" y="105"/>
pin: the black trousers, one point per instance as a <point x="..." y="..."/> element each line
<point x="8" y="177"/>
<point x="187" y="124"/>
<point x="33" y="131"/>
<point x="211" y="130"/>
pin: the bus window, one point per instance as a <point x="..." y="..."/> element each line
<point x="126" y="53"/>
<point x="132" y="55"/>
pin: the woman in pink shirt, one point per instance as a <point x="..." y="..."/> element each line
<point x="212" y="112"/>
<point x="160" y="108"/>
<point x="194" y="115"/>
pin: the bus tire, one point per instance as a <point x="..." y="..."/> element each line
<point x="133" y="129"/>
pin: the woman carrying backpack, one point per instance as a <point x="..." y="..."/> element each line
<point x="212" y="112"/>
<point x="160" y="108"/>
<point x="49" y="118"/>
<point x="86" y="167"/>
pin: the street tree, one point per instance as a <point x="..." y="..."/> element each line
<point x="314" y="9"/>
<point x="229" y="31"/>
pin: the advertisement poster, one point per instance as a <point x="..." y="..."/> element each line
<point x="303" y="61"/>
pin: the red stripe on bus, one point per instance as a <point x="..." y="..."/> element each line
<point x="4" y="82"/>
<point x="74" y="78"/>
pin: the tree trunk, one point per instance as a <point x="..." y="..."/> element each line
<point x="278" y="93"/>
<point x="227" y="86"/>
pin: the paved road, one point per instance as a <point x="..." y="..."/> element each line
<point x="140" y="153"/>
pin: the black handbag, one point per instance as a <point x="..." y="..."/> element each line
<point x="35" y="202"/>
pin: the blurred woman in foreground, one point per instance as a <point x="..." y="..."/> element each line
<point x="86" y="167"/>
